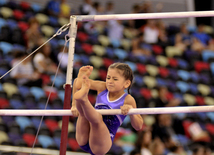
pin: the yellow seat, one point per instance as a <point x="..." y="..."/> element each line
<point x="4" y="137"/>
<point x="152" y="70"/>
<point x="154" y="93"/>
<point x="104" y="40"/>
<point x="209" y="100"/>
<point x="10" y="89"/>
<point x="48" y="31"/>
<point x="71" y="127"/>
<point x="149" y="120"/>
<point x="150" y="81"/>
<point x="99" y="50"/>
<point x="204" y="89"/>
<point x="94" y="74"/>
<point x="96" y="61"/>
<point x="42" y="18"/>
<point x="62" y="21"/>
<point x="162" y="60"/>
<point x="172" y="51"/>
<point x="189" y="99"/>
<point x="126" y="44"/>
<point x="6" y="12"/>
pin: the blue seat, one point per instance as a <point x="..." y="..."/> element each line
<point x="16" y="104"/>
<point x="36" y="121"/>
<point x="193" y="88"/>
<point x="205" y="79"/>
<point x="53" y="21"/>
<point x="12" y="24"/>
<point x="183" y="64"/>
<point x="179" y="96"/>
<point x="2" y="23"/>
<point x="132" y="65"/>
<point x="84" y="59"/>
<point x="6" y="47"/>
<point x="161" y="82"/>
<point x="184" y="75"/>
<point x="207" y="54"/>
<point x="212" y="68"/>
<point x="45" y="141"/>
<point x="57" y="141"/>
<point x="59" y="81"/>
<point x="116" y="43"/>
<point x="195" y="77"/>
<point x="61" y="94"/>
<point x="36" y="7"/>
<point x="138" y="80"/>
<point x="182" y="86"/>
<point x="42" y="106"/>
<point x="173" y="74"/>
<point x="23" y="122"/>
<point x="24" y="90"/>
<point x="37" y="92"/>
<point x="171" y="85"/>
<point x="19" y="47"/>
<point x="121" y="54"/>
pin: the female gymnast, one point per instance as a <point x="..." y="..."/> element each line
<point x="95" y="133"/>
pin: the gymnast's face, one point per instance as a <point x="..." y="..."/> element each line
<point x="115" y="81"/>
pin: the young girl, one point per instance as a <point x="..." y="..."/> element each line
<point x="95" y="133"/>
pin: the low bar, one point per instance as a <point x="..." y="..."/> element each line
<point x="165" y="110"/>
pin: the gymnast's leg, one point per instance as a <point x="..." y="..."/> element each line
<point x="99" y="137"/>
<point x="82" y="125"/>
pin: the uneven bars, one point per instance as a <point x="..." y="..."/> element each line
<point x="166" y="110"/>
<point x="84" y="18"/>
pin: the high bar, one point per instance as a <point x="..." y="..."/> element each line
<point x="84" y="18"/>
<point x="162" y="110"/>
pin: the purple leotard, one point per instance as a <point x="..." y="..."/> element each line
<point x="112" y="122"/>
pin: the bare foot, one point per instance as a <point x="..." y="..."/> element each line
<point x="85" y="70"/>
<point x="82" y="94"/>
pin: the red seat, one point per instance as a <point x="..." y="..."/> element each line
<point x="169" y="96"/>
<point x="102" y="74"/>
<point x="4" y="103"/>
<point x="146" y="93"/>
<point x="29" y="139"/>
<point x="18" y="14"/>
<point x="91" y="98"/>
<point x="141" y="68"/>
<point x="163" y="72"/>
<point x="25" y="5"/>
<point x="23" y="26"/>
<point x="82" y="36"/>
<point x="87" y="48"/>
<point x="210" y="128"/>
<point x="107" y="62"/>
<point x="52" y="125"/>
<point x="199" y="100"/>
<point x="173" y="62"/>
<point x="73" y="144"/>
<point x="199" y="66"/>
<point x="157" y="49"/>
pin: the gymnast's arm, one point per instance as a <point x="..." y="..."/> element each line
<point x="136" y="119"/>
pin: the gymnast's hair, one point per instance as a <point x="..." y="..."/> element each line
<point x="127" y="72"/>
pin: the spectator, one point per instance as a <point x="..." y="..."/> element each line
<point x="201" y="36"/>
<point x="143" y="142"/>
<point x="186" y="38"/>
<point x="198" y="150"/>
<point x="109" y="8"/>
<point x="33" y="34"/>
<point x="24" y="72"/>
<point x="86" y="7"/>
<point x="43" y="62"/>
<point x="53" y="8"/>
<point x="115" y="30"/>
<point x="64" y="56"/>
<point x="157" y="147"/>
<point x="162" y="100"/>
<point x="151" y="32"/>
<point x="65" y="9"/>
<point x="137" y="46"/>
